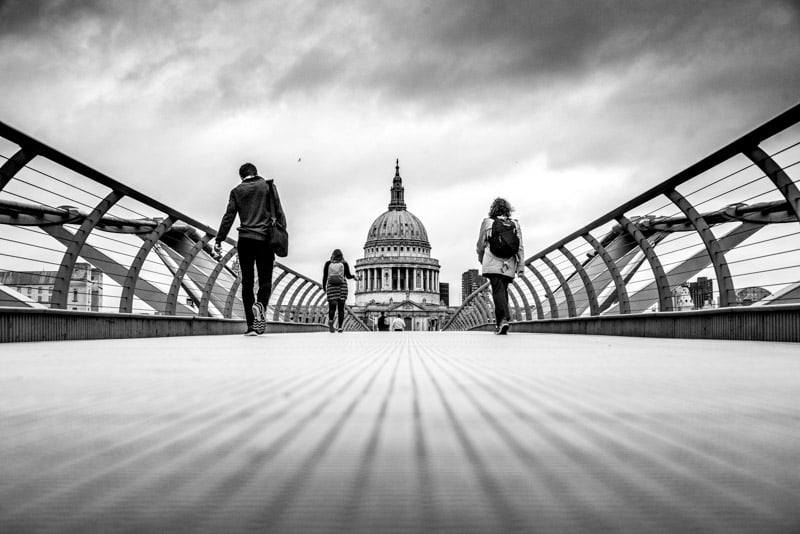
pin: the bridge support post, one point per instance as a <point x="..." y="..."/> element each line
<point x="775" y="173"/>
<point x="662" y="283"/>
<point x="126" y="300"/>
<point x="279" y="301"/>
<point x="537" y="301"/>
<point x="591" y="295"/>
<point x="564" y="286"/>
<point x="14" y="164"/>
<point x="619" y="283"/>
<point x="64" y="275"/>
<point x="172" y="297"/>
<point x="727" y="296"/>
<point x="550" y="297"/>
<point x="525" y="303"/>
<point x="212" y="280"/>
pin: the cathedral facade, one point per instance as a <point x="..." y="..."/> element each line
<point x="397" y="275"/>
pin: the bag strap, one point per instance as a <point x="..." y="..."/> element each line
<point x="271" y="199"/>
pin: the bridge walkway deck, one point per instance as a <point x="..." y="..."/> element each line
<point x="400" y="432"/>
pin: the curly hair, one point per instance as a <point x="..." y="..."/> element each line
<point x="337" y="255"/>
<point x="500" y="208"/>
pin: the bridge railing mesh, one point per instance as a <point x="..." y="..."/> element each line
<point x="73" y="238"/>
<point x="721" y="233"/>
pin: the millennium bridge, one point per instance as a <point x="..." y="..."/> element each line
<point x="650" y="381"/>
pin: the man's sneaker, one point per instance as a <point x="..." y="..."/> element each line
<point x="259" y="320"/>
<point x="504" y="326"/>
<point x="251" y="332"/>
<point x="330" y="326"/>
<point x="339" y="329"/>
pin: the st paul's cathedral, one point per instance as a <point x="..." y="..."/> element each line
<point x="397" y="275"/>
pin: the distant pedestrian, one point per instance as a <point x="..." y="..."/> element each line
<point x="501" y="255"/>
<point x="398" y="325"/>
<point x="383" y="323"/>
<point x="251" y="200"/>
<point x="335" y="274"/>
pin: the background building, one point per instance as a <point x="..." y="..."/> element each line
<point x="397" y="274"/>
<point x="682" y="299"/>
<point x="470" y="281"/>
<point x="444" y="294"/>
<point x="36" y="287"/>
<point x="702" y="292"/>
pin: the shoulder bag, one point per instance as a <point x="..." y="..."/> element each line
<point x="277" y="236"/>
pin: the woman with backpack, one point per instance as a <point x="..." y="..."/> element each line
<point x="334" y="279"/>
<point x="501" y="255"/>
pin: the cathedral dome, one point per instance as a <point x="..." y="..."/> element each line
<point x="397" y="225"/>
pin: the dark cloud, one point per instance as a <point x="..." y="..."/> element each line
<point x="22" y="17"/>
<point x="317" y="70"/>
<point x="423" y="53"/>
<point x="445" y="51"/>
<point x="197" y="59"/>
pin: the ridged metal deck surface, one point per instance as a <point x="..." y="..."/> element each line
<point x="400" y="432"/>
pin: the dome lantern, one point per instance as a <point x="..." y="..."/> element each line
<point x="397" y="200"/>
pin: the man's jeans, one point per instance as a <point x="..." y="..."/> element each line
<point x="259" y="254"/>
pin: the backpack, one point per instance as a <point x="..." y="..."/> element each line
<point x="336" y="273"/>
<point x="503" y="241"/>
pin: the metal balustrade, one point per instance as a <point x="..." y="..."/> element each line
<point x="72" y="238"/>
<point x="723" y="233"/>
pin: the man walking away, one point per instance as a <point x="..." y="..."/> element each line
<point x="250" y="200"/>
<point x="383" y="323"/>
<point x="398" y="325"/>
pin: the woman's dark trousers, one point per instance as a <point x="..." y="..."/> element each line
<point x="258" y="254"/>
<point x="334" y="306"/>
<point x="499" y="285"/>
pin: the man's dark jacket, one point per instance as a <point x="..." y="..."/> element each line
<point x="250" y="200"/>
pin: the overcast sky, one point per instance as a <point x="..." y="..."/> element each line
<point x="566" y="108"/>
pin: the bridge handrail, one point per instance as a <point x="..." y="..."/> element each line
<point x="184" y="254"/>
<point x="770" y="128"/>
<point x="555" y="290"/>
<point x="28" y="143"/>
